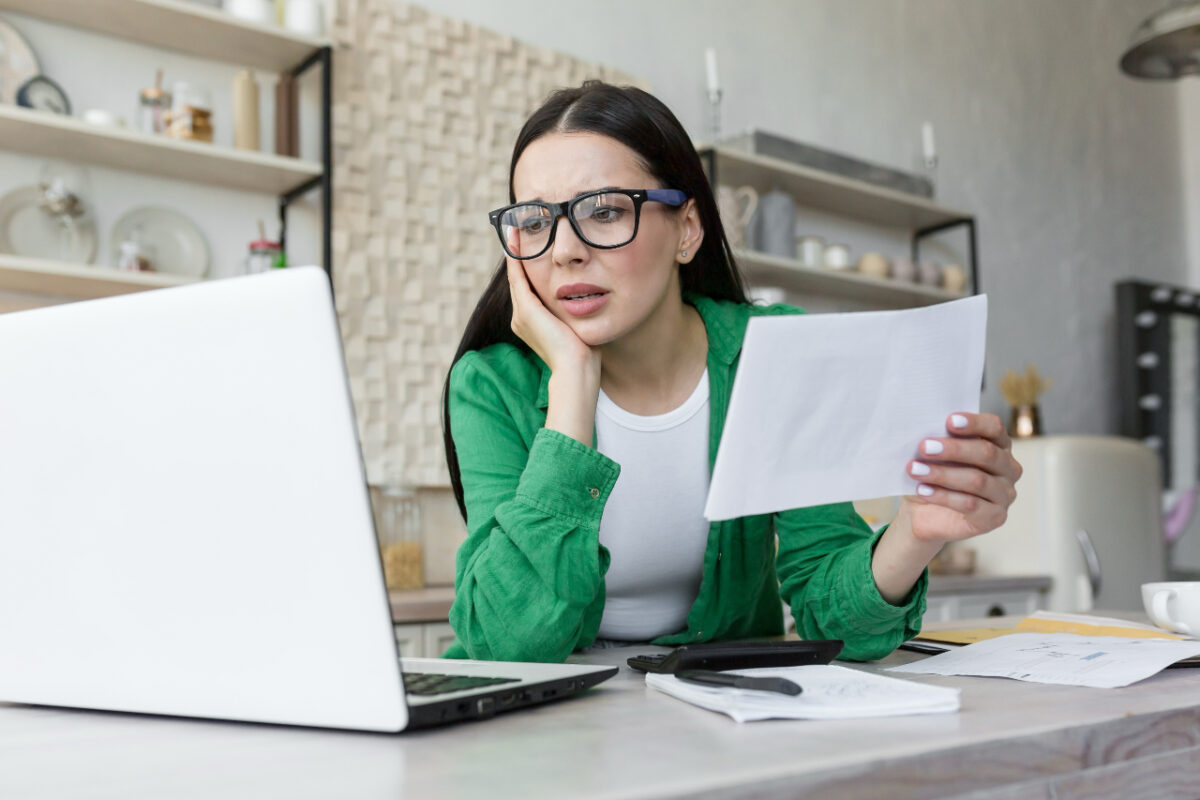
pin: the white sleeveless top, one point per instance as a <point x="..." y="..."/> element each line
<point x="653" y="523"/>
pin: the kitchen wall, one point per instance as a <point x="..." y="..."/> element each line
<point x="1073" y="170"/>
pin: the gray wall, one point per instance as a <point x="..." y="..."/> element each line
<point x="1189" y="115"/>
<point x="1075" y="173"/>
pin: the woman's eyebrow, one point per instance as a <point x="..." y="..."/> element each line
<point x="540" y="199"/>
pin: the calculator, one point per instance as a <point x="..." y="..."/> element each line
<point x="739" y="655"/>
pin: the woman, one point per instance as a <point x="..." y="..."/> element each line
<point x="586" y="402"/>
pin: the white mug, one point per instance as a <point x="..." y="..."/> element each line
<point x="1174" y="605"/>
<point x="810" y="250"/>
<point x="837" y="256"/>
<point x="304" y="16"/>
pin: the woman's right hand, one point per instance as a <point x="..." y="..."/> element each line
<point x="574" y="366"/>
<point x="548" y="336"/>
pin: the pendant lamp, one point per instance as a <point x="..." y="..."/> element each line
<point x="1166" y="45"/>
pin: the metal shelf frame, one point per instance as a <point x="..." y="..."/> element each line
<point x="322" y="57"/>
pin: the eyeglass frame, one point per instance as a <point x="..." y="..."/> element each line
<point x="672" y="197"/>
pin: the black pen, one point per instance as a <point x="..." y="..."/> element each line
<point x="710" y="677"/>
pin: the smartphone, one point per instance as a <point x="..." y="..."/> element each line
<point x="739" y="655"/>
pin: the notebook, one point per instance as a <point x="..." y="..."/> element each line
<point x="185" y="526"/>
<point x="826" y="692"/>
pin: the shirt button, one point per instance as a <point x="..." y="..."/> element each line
<point x="718" y="556"/>
<point x="594" y="492"/>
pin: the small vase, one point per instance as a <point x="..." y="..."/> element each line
<point x="1026" y="422"/>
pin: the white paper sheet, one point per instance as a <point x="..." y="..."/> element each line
<point x="1104" y="662"/>
<point x="830" y="407"/>
<point x="829" y="692"/>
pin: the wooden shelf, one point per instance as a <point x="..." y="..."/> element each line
<point x="763" y="269"/>
<point x="76" y="281"/>
<point x="53" y="136"/>
<point x="181" y="27"/>
<point x="829" y="192"/>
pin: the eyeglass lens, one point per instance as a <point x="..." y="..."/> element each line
<point x="603" y="220"/>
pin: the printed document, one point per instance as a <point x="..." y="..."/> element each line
<point x="1104" y="662"/>
<point x="831" y="407"/>
<point x="828" y="692"/>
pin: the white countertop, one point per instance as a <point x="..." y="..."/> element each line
<point x="622" y="740"/>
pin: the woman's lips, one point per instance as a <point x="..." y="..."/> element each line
<point x="580" y="299"/>
<point x="583" y="306"/>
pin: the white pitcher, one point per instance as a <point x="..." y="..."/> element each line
<point x="736" y="206"/>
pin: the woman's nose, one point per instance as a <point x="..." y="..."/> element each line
<point x="568" y="248"/>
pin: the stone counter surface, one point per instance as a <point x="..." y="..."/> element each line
<point x="432" y="604"/>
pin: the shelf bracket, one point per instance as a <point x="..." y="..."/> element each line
<point x="972" y="252"/>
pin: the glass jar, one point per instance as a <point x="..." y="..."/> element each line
<point x="191" y="114"/>
<point x="131" y="259"/>
<point x="154" y="105"/>
<point x="264" y="255"/>
<point x="398" y="517"/>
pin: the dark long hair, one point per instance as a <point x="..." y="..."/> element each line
<point x="642" y="123"/>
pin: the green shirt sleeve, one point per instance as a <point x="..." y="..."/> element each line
<point x="529" y="580"/>
<point x="824" y="566"/>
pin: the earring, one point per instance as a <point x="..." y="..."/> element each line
<point x="683" y="254"/>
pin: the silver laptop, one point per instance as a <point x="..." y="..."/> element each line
<point x="185" y="527"/>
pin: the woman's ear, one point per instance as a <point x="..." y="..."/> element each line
<point x="693" y="233"/>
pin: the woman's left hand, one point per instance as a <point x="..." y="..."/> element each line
<point x="966" y="480"/>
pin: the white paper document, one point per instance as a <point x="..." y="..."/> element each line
<point x="831" y="407"/>
<point x="1104" y="662"/>
<point x="828" y="692"/>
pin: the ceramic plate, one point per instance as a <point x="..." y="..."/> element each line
<point x="17" y="62"/>
<point x="27" y="230"/>
<point x="168" y="240"/>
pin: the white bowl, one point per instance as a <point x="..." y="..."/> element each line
<point x="260" y="11"/>
<point x="102" y="117"/>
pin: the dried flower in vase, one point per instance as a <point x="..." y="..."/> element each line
<point x="1022" y="393"/>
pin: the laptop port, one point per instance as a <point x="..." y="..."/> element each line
<point x="507" y="699"/>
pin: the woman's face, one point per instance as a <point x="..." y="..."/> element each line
<point x="603" y="295"/>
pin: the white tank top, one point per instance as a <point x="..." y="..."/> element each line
<point x="653" y="523"/>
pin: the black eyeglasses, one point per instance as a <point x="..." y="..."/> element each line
<point x="605" y="219"/>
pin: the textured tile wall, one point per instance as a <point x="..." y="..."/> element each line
<point x="426" y="110"/>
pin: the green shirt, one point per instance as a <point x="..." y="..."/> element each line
<point x="529" y="581"/>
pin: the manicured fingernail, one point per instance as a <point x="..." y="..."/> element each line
<point x="919" y="468"/>
<point x="932" y="447"/>
<point x="958" y="420"/>
<point x="924" y="490"/>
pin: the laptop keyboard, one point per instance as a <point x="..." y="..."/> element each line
<point x="429" y="683"/>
